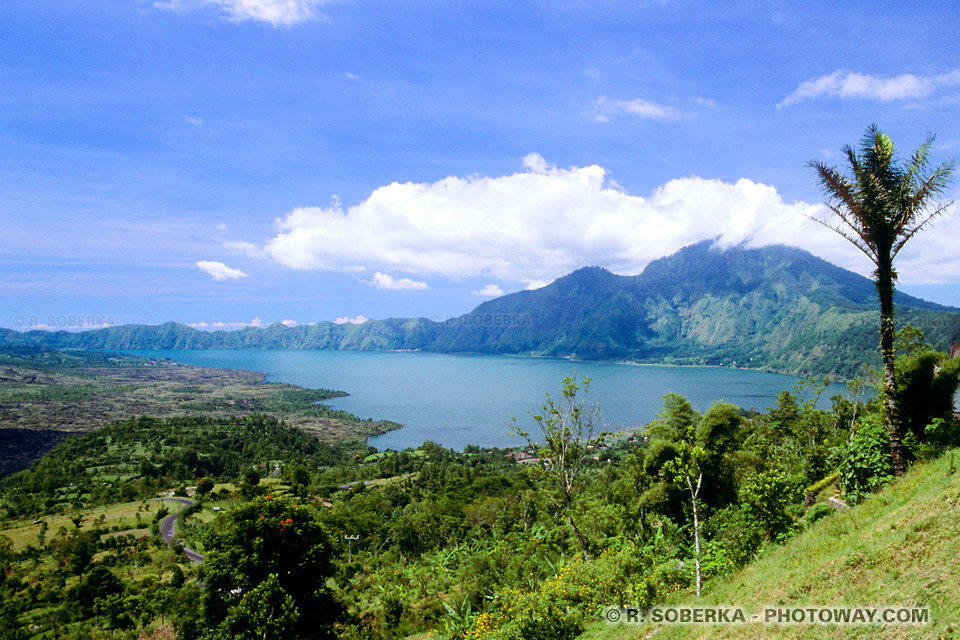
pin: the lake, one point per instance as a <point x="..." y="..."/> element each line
<point x="456" y="400"/>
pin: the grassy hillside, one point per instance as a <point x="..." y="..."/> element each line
<point x="899" y="548"/>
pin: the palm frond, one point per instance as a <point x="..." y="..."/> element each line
<point x="845" y="232"/>
<point x="881" y="202"/>
<point x="909" y="232"/>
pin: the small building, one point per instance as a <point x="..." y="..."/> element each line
<point x="955" y="351"/>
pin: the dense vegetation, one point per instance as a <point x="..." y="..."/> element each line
<point x="774" y="308"/>
<point x="898" y="548"/>
<point x="137" y="458"/>
<point x="471" y="544"/>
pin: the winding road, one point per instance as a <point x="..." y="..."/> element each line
<point x="168" y="529"/>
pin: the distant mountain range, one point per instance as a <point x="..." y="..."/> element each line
<point x="776" y="308"/>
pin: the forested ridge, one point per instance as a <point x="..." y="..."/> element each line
<point x="775" y="308"/>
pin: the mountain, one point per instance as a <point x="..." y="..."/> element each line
<point x="776" y="308"/>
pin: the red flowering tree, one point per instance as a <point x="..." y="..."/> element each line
<point x="273" y="551"/>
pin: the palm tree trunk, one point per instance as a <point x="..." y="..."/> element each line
<point x="891" y="411"/>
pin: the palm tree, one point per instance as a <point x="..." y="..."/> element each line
<point x="881" y="203"/>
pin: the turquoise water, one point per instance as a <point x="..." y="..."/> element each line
<point x="457" y="400"/>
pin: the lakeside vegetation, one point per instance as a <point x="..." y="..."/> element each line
<point x="470" y="544"/>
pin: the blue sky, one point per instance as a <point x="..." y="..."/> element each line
<point x="215" y="162"/>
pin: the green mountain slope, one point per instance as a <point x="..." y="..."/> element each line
<point x="775" y="308"/>
<point x="897" y="549"/>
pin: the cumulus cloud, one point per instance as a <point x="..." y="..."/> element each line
<point x="489" y="291"/>
<point x="543" y="222"/>
<point x="276" y="12"/>
<point x="219" y="271"/>
<point x="385" y="281"/>
<point x="846" y="84"/>
<point x="348" y="320"/>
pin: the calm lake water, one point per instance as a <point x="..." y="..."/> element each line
<point x="456" y="400"/>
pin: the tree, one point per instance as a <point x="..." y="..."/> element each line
<point x="570" y="427"/>
<point x="686" y="472"/>
<point x="205" y="486"/>
<point x="927" y="382"/>
<point x="881" y="203"/>
<point x="267" y="551"/>
<point x="266" y="613"/>
<point x="251" y="477"/>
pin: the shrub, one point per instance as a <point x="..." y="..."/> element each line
<point x="537" y="615"/>
<point x="733" y="539"/>
<point x="767" y="496"/>
<point x="864" y="461"/>
<point x="558" y="607"/>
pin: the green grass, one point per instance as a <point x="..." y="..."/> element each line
<point x="901" y="547"/>
<point x="119" y="517"/>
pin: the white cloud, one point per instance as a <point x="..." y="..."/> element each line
<point x="543" y="222"/>
<point x="197" y="122"/>
<point x="219" y="271"/>
<point x="384" y="281"/>
<point x="846" y="84"/>
<point x="72" y="324"/>
<point x="349" y="320"/>
<point x="289" y="323"/>
<point x="276" y="12"/>
<point x="226" y="326"/>
<point x="604" y="109"/>
<point x="243" y="248"/>
<point x="489" y="291"/>
<point x="931" y="256"/>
